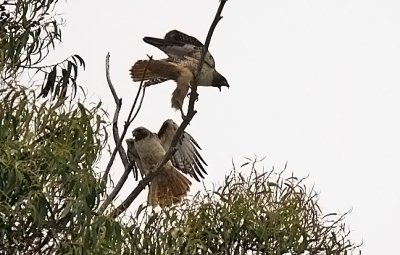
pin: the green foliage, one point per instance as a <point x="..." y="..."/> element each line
<point x="260" y="214"/>
<point x="28" y="31"/>
<point x="49" y="191"/>
<point x="48" y="188"/>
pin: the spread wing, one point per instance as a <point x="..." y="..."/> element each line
<point x="186" y="158"/>
<point x="133" y="157"/>
<point x="180" y="46"/>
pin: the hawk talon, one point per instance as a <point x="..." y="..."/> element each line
<point x="197" y="96"/>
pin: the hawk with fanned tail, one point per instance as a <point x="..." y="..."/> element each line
<point x="184" y="52"/>
<point x="147" y="149"/>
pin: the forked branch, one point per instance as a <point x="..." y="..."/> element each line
<point x="119" y="139"/>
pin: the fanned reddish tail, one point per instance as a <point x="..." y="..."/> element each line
<point x="153" y="69"/>
<point x="167" y="188"/>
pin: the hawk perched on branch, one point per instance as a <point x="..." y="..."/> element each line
<point x="184" y="54"/>
<point x="147" y="149"/>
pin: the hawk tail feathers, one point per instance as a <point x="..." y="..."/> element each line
<point x="167" y="188"/>
<point x="154" y="70"/>
<point x="138" y="71"/>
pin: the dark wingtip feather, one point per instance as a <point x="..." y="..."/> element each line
<point x="198" y="163"/>
<point x="200" y="157"/>
<point x="197" y="172"/>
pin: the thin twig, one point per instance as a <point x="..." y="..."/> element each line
<point x="117" y="139"/>
<point x="110" y="85"/>
<point x="189" y="116"/>
<point x="139" y="107"/>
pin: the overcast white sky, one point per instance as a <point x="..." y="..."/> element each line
<point x="315" y="83"/>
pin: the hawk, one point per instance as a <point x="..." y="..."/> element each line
<point x="147" y="149"/>
<point x="184" y="52"/>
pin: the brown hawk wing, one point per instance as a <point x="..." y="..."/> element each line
<point x="177" y="36"/>
<point x="180" y="46"/>
<point x="187" y="157"/>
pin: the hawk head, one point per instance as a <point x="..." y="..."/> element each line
<point x="140" y="133"/>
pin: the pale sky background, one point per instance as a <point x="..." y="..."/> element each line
<point x="315" y="83"/>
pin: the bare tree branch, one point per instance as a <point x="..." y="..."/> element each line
<point x="118" y="102"/>
<point x="117" y="139"/>
<point x="189" y="116"/>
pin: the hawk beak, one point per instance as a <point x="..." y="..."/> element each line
<point x="130" y="141"/>
<point x="223" y="84"/>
